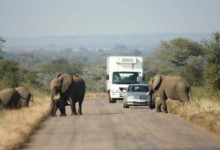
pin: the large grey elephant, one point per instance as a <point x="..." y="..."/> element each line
<point x="172" y="87"/>
<point x="25" y="98"/>
<point x="71" y="88"/>
<point x="9" y="97"/>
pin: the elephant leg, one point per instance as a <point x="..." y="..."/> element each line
<point x="62" y="106"/>
<point x="54" y="107"/>
<point x="73" y="107"/>
<point x="80" y="108"/>
<point x="164" y="106"/>
<point x="159" y="106"/>
<point x="163" y="99"/>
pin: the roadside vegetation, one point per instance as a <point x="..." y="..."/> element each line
<point x="204" y="109"/>
<point x="197" y="62"/>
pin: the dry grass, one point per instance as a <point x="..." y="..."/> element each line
<point x="17" y="125"/>
<point x="96" y="95"/>
<point x="204" y="110"/>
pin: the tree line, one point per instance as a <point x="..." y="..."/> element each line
<point x="197" y="62"/>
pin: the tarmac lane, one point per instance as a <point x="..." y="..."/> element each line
<point x="109" y="126"/>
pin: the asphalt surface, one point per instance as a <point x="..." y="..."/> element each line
<point x="105" y="126"/>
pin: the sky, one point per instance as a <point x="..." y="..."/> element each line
<point x="36" y="18"/>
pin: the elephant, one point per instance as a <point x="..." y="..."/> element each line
<point x="71" y="88"/>
<point x="9" y="97"/>
<point x="25" y="96"/>
<point x="172" y="87"/>
<point x="56" y="103"/>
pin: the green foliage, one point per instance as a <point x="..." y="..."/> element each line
<point x="194" y="70"/>
<point x="1" y="42"/>
<point x="150" y="68"/>
<point x="212" y="50"/>
<point x="94" y="78"/>
<point x="182" y="57"/>
<point x="9" y="74"/>
<point x="46" y="78"/>
<point x="62" y="66"/>
<point x="178" y="50"/>
<point x="30" y="78"/>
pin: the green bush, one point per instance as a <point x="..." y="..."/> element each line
<point x="9" y="73"/>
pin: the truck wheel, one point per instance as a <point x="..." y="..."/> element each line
<point x="109" y="98"/>
<point x="113" y="100"/>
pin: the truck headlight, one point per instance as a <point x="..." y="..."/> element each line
<point x="115" y="91"/>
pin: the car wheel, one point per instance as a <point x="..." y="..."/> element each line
<point x="113" y="100"/>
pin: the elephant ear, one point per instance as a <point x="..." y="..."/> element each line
<point x="156" y="81"/>
<point x="67" y="80"/>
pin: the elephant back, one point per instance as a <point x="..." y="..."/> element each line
<point x="25" y="96"/>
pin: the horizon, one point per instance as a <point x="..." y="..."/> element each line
<point x="155" y="33"/>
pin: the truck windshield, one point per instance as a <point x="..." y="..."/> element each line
<point x="125" y="77"/>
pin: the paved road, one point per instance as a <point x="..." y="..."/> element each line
<point x="105" y="126"/>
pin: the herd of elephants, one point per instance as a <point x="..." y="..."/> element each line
<point x="72" y="89"/>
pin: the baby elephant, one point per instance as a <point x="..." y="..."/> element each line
<point x="56" y="104"/>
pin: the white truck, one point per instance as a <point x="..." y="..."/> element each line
<point x="122" y="71"/>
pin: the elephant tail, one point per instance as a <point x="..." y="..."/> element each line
<point x="190" y="92"/>
<point x="32" y="98"/>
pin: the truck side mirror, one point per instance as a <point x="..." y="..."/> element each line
<point x="107" y="77"/>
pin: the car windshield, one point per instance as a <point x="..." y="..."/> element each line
<point x="138" y="88"/>
<point x="125" y="78"/>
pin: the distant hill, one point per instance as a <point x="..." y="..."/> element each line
<point x="98" y="41"/>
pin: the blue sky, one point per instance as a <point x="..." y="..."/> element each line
<point x="34" y="18"/>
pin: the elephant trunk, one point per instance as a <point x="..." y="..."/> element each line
<point x="52" y="93"/>
<point x="150" y="101"/>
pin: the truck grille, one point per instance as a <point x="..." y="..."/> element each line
<point x="121" y="89"/>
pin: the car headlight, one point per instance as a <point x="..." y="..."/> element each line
<point x="130" y="97"/>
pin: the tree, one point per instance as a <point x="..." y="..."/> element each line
<point x="1" y="42"/>
<point x="9" y="74"/>
<point x="212" y="50"/>
<point x="178" y="50"/>
<point x="194" y="70"/>
<point x="182" y="57"/>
